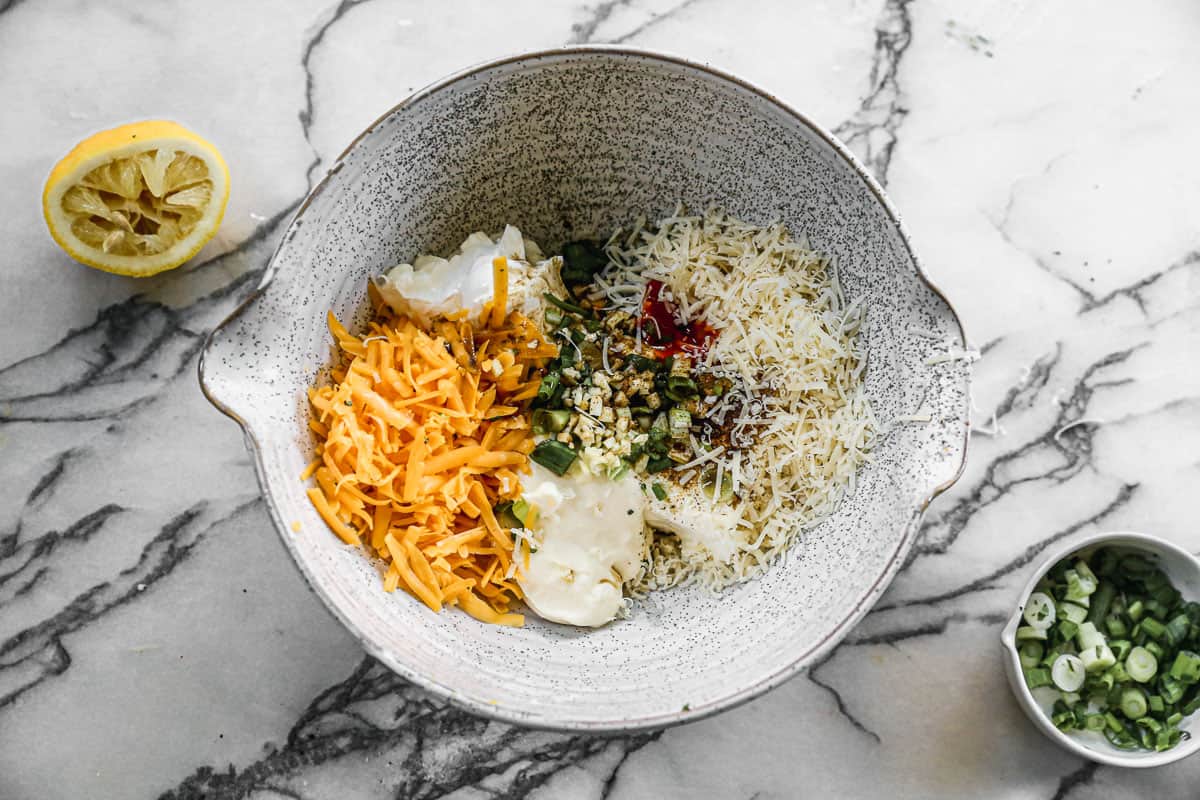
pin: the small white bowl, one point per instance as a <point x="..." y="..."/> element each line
<point x="1184" y="571"/>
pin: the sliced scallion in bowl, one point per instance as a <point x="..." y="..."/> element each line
<point x="1114" y="640"/>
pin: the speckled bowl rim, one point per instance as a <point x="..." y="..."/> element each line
<point x="655" y="722"/>
<point x="1012" y="659"/>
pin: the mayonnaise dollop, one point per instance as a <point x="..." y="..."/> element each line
<point x="590" y="540"/>
<point x="433" y="286"/>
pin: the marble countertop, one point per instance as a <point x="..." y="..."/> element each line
<point x="156" y="640"/>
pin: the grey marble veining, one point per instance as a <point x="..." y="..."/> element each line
<point x="155" y="640"/>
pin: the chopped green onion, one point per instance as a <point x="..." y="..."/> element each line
<point x="1141" y="665"/>
<point x="1039" y="611"/>
<point x="1116" y="627"/>
<point x="1120" y="645"/>
<point x="554" y="456"/>
<point x="1089" y="637"/>
<point x="1186" y="667"/>
<point x="1067" y="673"/>
<point x="643" y="364"/>
<point x="1136" y="610"/>
<point x="1136" y="565"/>
<point x="1098" y="658"/>
<point x="1153" y="628"/>
<point x="1156" y="609"/>
<point x="1025" y="633"/>
<point x="547" y="388"/>
<point x="505" y="516"/>
<point x="680" y="388"/>
<point x="1030" y="653"/>
<point x="553" y="316"/>
<point x="1167" y="595"/>
<point x="1038" y="677"/>
<point x="1133" y="703"/>
<point x="1122" y="740"/>
<point x="546" y="420"/>
<point x="1072" y="611"/>
<point x="658" y="490"/>
<point x="1120" y="648"/>
<point x="566" y="305"/>
<point x="1170" y="688"/>
<point x="658" y="464"/>
<point x="581" y="261"/>
<point x="1064" y="721"/>
<point x="1177" y="630"/>
<point x="1106" y="562"/>
<point x="1079" y="587"/>
<point x="1084" y="571"/>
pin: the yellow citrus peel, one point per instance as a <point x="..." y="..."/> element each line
<point x="138" y="199"/>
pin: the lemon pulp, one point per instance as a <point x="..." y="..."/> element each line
<point x="137" y="199"/>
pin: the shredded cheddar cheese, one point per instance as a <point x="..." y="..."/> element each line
<point x="419" y="434"/>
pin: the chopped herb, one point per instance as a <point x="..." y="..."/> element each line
<point x="581" y="261"/>
<point x="680" y="388"/>
<point x="506" y="516"/>
<point x="643" y="364"/>
<point x="547" y="388"/>
<point x="566" y="305"/>
<point x="554" y="456"/>
<point x="658" y="490"/>
<point x="550" y="420"/>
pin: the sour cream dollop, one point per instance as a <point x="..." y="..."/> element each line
<point x="433" y="286"/>
<point x="590" y="540"/>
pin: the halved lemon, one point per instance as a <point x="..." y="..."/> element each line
<point x="138" y="199"/>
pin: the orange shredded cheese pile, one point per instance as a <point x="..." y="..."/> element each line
<point x="420" y="433"/>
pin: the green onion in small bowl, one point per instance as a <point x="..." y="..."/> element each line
<point x="1103" y="652"/>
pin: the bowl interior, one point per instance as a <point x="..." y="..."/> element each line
<point x="570" y="144"/>
<point x="1183" y="570"/>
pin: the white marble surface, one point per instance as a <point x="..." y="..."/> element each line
<point x="155" y="640"/>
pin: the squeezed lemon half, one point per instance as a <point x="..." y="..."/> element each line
<point x="138" y="199"/>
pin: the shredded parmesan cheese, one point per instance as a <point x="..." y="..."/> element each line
<point x="799" y="422"/>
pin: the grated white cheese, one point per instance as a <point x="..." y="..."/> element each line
<point x="798" y="420"/>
